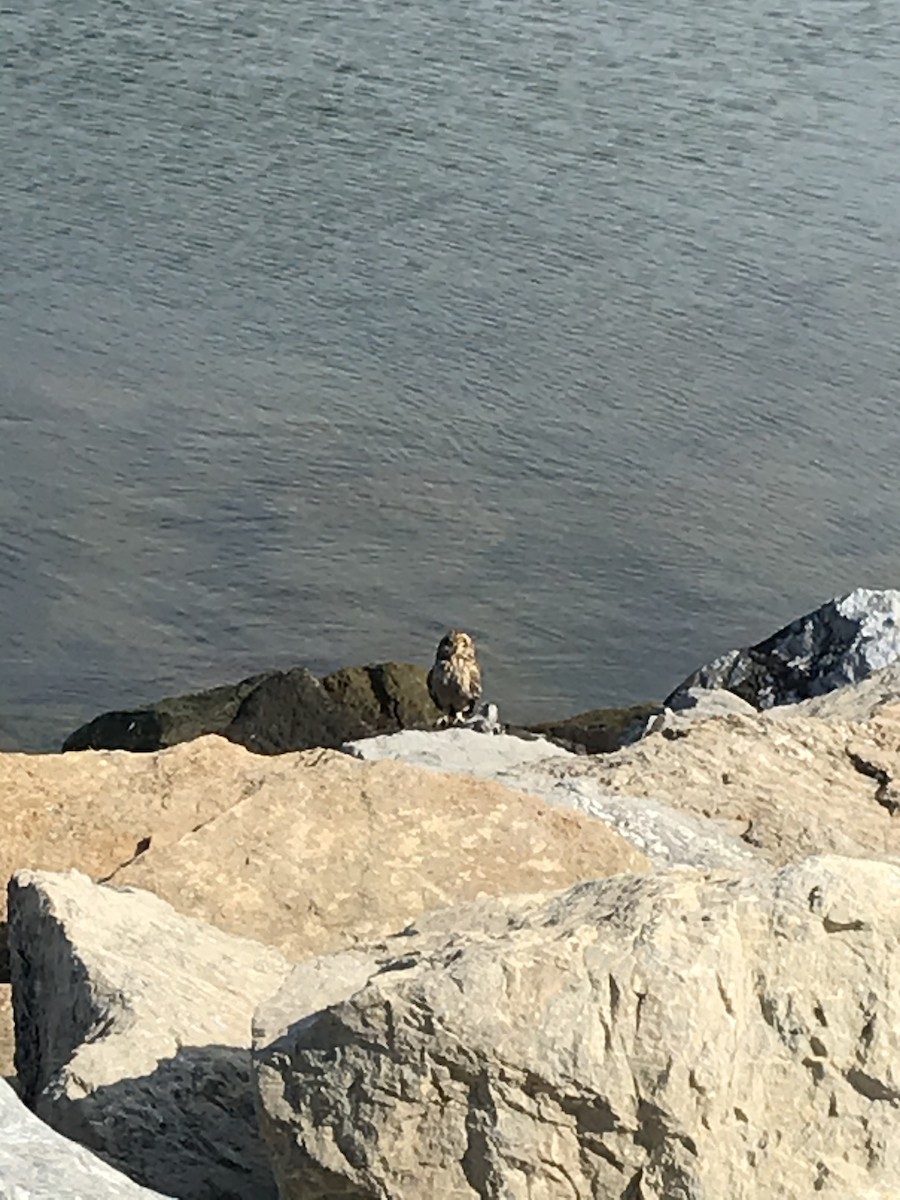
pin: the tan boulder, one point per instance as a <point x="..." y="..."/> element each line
<point x="789" y="786"/>
<point x="341" y="850"/>
<point x="643" y="1037"/>
<point x="319" y="849"/>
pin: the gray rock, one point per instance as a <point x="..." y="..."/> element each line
<point x="133" y="1031"/>
<point x="666" y="835"/>
<point x="856" y="702"/>
<point x="666" y="1036"/>
<point x="36" y="1163"/>
<point x="458" y="750"/>
<point x="841" y="643"/>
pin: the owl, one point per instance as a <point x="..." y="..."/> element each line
<point x="454" y="682"/>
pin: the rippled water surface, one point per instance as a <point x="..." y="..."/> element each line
<point x="323" y="326"/>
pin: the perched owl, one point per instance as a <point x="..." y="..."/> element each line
<point x="454" y="682"/>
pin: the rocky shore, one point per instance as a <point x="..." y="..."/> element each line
<point x="305" y="946"/>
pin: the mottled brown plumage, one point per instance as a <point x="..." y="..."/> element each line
<point x="454" y="682"/>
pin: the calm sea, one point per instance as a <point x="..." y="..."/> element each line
<point x="326" y="326"/>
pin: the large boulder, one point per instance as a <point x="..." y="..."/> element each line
<point x="273" y="712"/>
<point x="842" y="642"/>
<point x="673" y="1035"/>
<point x="133" y="1028"/>
<point x="336" y="850"/>
<point x="668" y="837"/>
<point x="36" y="1163"/>
<point x="785" y="785"/>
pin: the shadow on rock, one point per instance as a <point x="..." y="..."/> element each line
<point x="188" y="1130"/>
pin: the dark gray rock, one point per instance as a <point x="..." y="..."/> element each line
<point x="274" y="712"/>
<point x="290" y="710"/>
<point x="136" y="729"/>
<point x="843" y="642"/>
<point x="599" y="731"/>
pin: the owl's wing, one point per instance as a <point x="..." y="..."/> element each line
<point x="475" y="681"/>
<point x="432" y="690"/>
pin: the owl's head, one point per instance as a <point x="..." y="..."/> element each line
<point x="456" y="644"/>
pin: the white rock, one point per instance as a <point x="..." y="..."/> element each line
<point x="37" y="1163"/>
<point x="461" y="751"/>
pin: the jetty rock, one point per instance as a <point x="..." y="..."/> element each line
<point x="336" y="851"/>
<point x="133" y="1031"/>
<point x="36" y="1163"/>
<point x="273" y="712"/>
<point x="679" y="1034"/>
<point x="842" y="642"/>
<point x="303" y="851"/>
<point x="665" y="834"/>
<point x="784" y="785"/>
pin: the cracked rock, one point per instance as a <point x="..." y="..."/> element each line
<point x="674" y="1035"/>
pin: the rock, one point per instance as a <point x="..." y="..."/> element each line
<point x="856" y="702"/>
<point x="133" y="1027"/>
<point x="695" y="704"/>
<point x="36" y="1163"/>
<point x="172" y="720"/>
<point x="138" y="730"/>
<point x="273" y="712"/>
<point x="667" y="836"/>
<point x="96" y="810"/>
<point x="384" y="697"/>
<point x="291" y="710"/>
<point x="599" y="731"/>
<point x="842" y="642"/>
<point x="787" y="786"/>
<point x="672" y="1035"/>
<point x="460" y="750"/>
<point x="540" y="768"/>
<point x="335" y="850"/>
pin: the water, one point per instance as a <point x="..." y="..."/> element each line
<point x="324" y="326"/>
